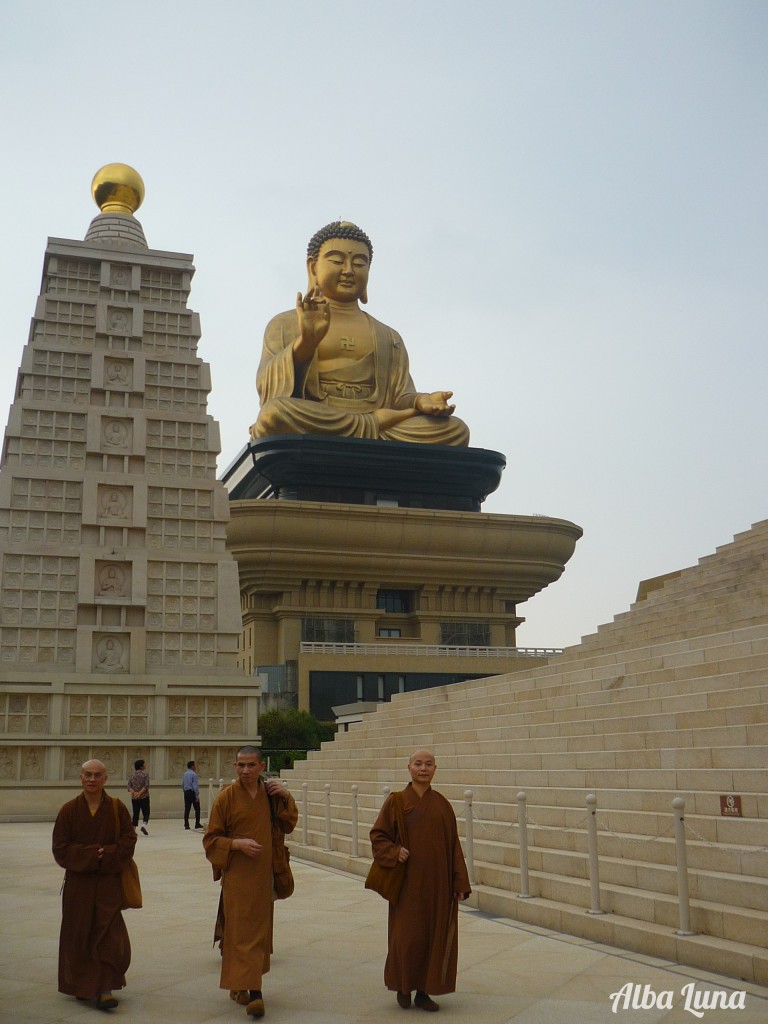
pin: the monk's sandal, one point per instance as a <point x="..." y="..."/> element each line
<point x="423" y="1002"/>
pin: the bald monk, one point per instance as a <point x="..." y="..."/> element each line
<point x="93" y="840"/>
<point x="327" y="367"/>
<point x="423" y="942"/>
<point x="238" y="843"/>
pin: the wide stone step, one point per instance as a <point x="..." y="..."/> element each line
<point x="497" y="843"/>
<point x="732" y="888"/>
<point x="653" y="718"/>
<point x="645" y="626"/>
<point x="715" y="843"/>
<point x="498" y="865"/>
<point x="599" y="705"/>
<point x="747" y="834"/>
<point x="694" y="672"/>
<point x="725" y="687"/>
<point x="742" y="756"/>
<point x="632" y="634"/>
<point x="497" y="743"/>
<point x="671" y="698"/>
<point x="719" y="953"/>
<point x="728" y="779"/>
<point x="699" y="802"/>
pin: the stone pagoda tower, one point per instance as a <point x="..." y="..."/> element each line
<point x="119" y="604"/>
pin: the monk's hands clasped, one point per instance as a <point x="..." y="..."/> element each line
<point x="403" y="855"/>
<point x="435" y="404"/>
<point x="249" y="847"/>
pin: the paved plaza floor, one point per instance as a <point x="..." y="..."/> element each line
<point x="330" y="943"/>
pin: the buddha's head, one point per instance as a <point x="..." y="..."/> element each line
<point x="338" y="259"/>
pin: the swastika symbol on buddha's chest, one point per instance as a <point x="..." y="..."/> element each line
<point x="347" y="342"/>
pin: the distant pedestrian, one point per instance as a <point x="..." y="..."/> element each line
<point x="191" y="788"/>
<point x="138" y="787"/>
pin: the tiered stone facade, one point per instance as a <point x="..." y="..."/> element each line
<point x="668" y="700"/>
<point x="119" y="604"/>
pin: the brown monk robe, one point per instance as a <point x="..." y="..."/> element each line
<point x="422" y="930"/>
<point x="238" y="843"/>
<point x="94" y="948"/>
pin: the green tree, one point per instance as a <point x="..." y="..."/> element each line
<point x="287" y="735"/>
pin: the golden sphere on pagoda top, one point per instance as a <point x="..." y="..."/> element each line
<point x="117" y="188"/>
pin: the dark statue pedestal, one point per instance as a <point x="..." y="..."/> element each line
<point x="313" y="467"/>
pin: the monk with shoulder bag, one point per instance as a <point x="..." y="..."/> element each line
<point x="387" y="882"/>
<point x="130" y="875"/>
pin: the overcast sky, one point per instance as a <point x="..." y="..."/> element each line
<point x="566" y="198"/>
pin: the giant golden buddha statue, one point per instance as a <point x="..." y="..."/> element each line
<point x="328" y="367"/>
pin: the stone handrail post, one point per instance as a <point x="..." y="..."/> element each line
<point x="594" y="873"/>
<point x="522" y="824"/>
<point x="354" y="850"/>
<point x="305" y="813"/>
<point x="678" y="806"/>
<point x="327" y="788"/>
<point x="469" y="834"/>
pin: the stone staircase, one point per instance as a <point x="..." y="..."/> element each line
<point x="670" y="699"/>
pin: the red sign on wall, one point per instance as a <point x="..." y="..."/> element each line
<point x="730" y="806"/>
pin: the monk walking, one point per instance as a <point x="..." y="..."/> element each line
<point x="422" y="932"/>
<point x="238" y="843"/>
<point x="93" y="840"/>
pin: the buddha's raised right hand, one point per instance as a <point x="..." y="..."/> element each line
<point x="314" y="319"/>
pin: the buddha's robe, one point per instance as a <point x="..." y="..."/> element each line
<point x="342" y="401"/>
<point x="94" y="948"/>
<point x="423" y="943"/>
<point x="246" y="905"/>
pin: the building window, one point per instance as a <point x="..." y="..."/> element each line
<point x="397" y="601"/>
<point x="318" y="630"/>
<point x="465" y="634"/>
<point x="389" y="633"/>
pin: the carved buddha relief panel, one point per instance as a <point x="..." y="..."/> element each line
<point x="118" y="373"/>
<point x="114" y="502"/>
<point x="112" y="580"/>
<point x="211" y="764"/>
<point x="120" y="276"/>
<point x="32" y="763"/>
<point x="111" y="652"/>
<point x="119" y="321"/>
<point x="116" y="434"/>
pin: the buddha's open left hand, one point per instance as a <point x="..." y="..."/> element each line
<point x="435" y="404"/>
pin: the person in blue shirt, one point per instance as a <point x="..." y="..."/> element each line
<point x="191" y="789"/>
